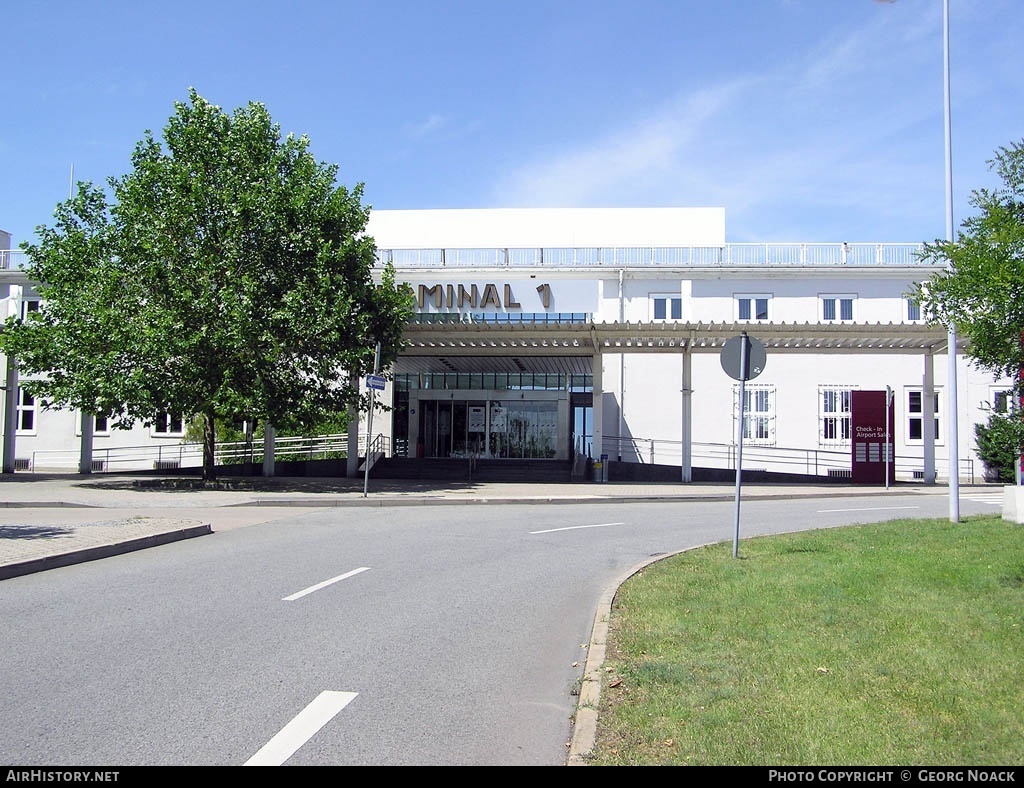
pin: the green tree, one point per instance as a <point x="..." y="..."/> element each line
<point x="980" y="292"/>
<point x="228" y="277"/>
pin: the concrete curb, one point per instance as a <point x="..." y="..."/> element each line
<point x="453" y="501"/>
<point x="101" y="551"/>
<point x="47" y="505"/>
<point x="584" y="730"/>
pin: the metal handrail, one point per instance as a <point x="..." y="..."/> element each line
<point x="189" y="454"/>
<point x="813" y="462"/>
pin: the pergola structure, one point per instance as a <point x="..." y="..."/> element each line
<point x="577" y="347"/>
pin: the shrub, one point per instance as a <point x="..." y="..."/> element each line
<point x="999" y="443"/>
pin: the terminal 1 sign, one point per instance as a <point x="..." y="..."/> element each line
<point x="524" y="295"/>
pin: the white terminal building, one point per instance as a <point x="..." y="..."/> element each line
<point x="551" y="337"/>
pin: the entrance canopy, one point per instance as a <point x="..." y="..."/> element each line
<point x="569" y="347"/>
<point x="575" y="347"/>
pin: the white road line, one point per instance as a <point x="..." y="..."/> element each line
<point x="324" y="584"/>
<point x="301" y="729"/>
<point x="574" y="527"/>
<point x="868" y="509"/>
<point x="978" y="499"/>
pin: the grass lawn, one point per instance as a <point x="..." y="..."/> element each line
<point x="900" y="643"/>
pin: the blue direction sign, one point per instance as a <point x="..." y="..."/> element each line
<point x="375" y="382"/>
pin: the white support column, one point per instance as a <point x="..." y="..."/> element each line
<point x="928" y="417"/>
<point x="10" y="413"/>
<point x="352" y="458"/>
<point x="622" y="371"/>
<point x="686" y="437"/>
<point x="413" y="438"/>
<point x="85" y="448"/>
<point x="352" y="453"/>
<point x="268" y="449"/>
<point x="597" y="364"/>
<point x="13" y="307"/>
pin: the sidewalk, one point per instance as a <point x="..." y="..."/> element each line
<point x="47" y="521"/>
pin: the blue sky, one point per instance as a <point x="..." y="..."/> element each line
<point x="807" y="120"/>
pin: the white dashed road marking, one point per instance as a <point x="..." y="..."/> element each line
<point x="867" y="509"/>
<point x="994" y="498"/>
<point x="575" y="527"/>
<point x="301" y="729"/>
<point x="324" y="584"/>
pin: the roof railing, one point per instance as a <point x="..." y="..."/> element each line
<point x="11" y="259"/>
<point x="729" y="255"/>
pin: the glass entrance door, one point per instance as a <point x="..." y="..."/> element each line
<point x="436" y="427"/>
<point x="500" y="429"/>
<point x="452" y="428"/>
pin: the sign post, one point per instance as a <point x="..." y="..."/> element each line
<point x="742" y="359"/>
<point x="889" y="458"/>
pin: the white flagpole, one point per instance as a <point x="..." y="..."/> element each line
<point x="952" y="400"/>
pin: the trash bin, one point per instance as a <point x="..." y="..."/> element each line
<point x="604" y="467"/>
<point x="598" y="471"/>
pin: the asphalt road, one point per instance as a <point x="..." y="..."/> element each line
<point x="433" y="635"/>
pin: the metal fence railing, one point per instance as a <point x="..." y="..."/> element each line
<point x="190" y="455"/>
<point x="830" y="463"/>
<point x="11" y="259"/>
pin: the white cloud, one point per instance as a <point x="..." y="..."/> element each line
<point x="426" y="127"/>
<point x="831" y="137"/>
<point x="644" y="151"/>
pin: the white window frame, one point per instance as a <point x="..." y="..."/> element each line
<point x="671" y="302"/>
<point x="164" y="425"/>
<point x="750" y="301"/>
<point x="758" y="413"/>
<point x="97" y="430"/>
<point x="31" y="409"/>
<point x="29" y="305"/>
<point x="1000" y="400"/>
<point x="912" y="310"/>
<point x="914" y="413"/>
<point x="837" y="301"/>
<point x="835" y="416"/>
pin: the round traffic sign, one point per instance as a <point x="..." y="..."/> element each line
<point x="732" y="353"/>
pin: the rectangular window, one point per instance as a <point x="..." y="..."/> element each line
<point x="915" y="416"/>
<point x="168" y="425"/>
<point x="758" y="414"/>
<point x="666" y="307"/>
<point x="27" y="306"/>
<point x="837" y="308"/>
<point x="752" y="306"/>
<point x="913" y="311"/>
<point x="100" y="425"/>
<point x="834" y="416"/>
<point x="1002" y="401"/>
<point x="26" y="412"/>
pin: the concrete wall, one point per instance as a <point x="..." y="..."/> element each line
<point x="1013" y="503"/>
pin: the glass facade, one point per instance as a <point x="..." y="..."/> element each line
<point x="516" y="429"/>
<point x="492" y="415"/>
